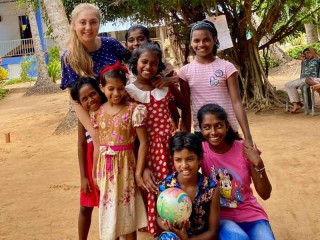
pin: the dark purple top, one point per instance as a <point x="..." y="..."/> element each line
<point x="111" y="50"/>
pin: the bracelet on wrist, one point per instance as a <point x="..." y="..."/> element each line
<point x="260" y="171"/>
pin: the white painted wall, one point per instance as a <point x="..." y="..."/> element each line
<point x="14" y="71"/>
<point x="9" y="25"/>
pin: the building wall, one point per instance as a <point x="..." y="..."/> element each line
<point x="13" y="66"/>
<point x="10" y="30"/>
<point x="9" y="25"/>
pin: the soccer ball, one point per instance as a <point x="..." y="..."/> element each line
<point x="174" y="205"/>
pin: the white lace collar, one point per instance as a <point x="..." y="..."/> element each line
<point x="144" y="96"/>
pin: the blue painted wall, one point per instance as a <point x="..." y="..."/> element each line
<point x="17" y="60"/>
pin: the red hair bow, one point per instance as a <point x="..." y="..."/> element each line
<point x="116" y="67"/>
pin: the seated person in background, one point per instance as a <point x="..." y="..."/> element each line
<point x="309" y="68"/>
<point x="311" y="81"/>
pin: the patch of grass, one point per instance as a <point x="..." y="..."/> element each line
<point x="18" y="80"/>
<point x="3" y="93"/>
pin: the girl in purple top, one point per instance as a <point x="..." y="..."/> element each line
<point x="87" y="54"/>
<point x="233" y="165"/>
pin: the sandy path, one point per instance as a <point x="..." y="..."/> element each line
<point x="40" y="181"/>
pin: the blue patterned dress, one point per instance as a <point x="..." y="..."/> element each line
<point x="199" y="219"/>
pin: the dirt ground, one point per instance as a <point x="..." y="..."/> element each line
<point x="40" y="176"/>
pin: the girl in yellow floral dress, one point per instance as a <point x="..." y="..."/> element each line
<point x="118" y="174"/>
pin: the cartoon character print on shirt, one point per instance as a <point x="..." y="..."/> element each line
<point x="230" y="186"/>
<point x="214" y="80"/>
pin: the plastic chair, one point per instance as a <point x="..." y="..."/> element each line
<point x="314" y="88"/>
<point x="310" y="90"/>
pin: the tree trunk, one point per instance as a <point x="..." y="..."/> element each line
<point x="175" y="46"/>
<point x="258" y="93"/>
<point x="58" y="22"/>
<point x="60" y="29"/>
<point x="311" y="32"/>
<point x="68" y="123"/>
<point x="277" y="53"/>
<point x="43" y="84"/>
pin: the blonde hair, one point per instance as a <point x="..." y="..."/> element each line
<point x="77" y="55"/>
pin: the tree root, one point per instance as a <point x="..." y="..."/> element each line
<point x="42" y="89"/>
<point x="68" y="123"/>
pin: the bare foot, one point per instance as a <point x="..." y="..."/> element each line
<point x="296" y="107"/>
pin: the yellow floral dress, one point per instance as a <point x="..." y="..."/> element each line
<point x="121" y="207"/>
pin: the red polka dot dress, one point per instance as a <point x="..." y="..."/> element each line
<point x="160" y="129"/>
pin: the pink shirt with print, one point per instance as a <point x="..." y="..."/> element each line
<point x="208" y="84"/>
<point x="231" y="171"/>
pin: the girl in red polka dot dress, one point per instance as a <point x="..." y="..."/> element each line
<point x="146" y="63"/>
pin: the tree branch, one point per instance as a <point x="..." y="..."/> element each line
<point x="268" y="21"/>
<point x="286" y="30"/>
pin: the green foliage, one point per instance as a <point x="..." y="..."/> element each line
<point x="3" y="93"/>
<point x="54" y="66"/>
<point x="3" y="75"/>
<point x="271" y="62"/>
<point x="18" y="80"/>
<point x="297" y="40"/>
<point x="26" y="65"/>
<point x="276" y="21"/>
<point x="298" y="50"/>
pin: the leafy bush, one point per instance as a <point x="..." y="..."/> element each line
<point x="296" y="51"/>
<point x="271" y="61"/>
<point x="3" y="75"/>
<point x="54" y="66"/>
<point x="296" y="40"/>
<point x="54" y="70"/>
<point x="3" y="93"/>
<point x="25" y="65"/>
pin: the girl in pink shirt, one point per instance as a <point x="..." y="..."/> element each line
<point x="209" y="79"/>
<point x="234" y="164"/>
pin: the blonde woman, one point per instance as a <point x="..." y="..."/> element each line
<point x="87" y="54"/>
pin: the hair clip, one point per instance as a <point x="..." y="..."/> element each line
<point x="201" y="23"/>
<point x="116" y="67"/>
